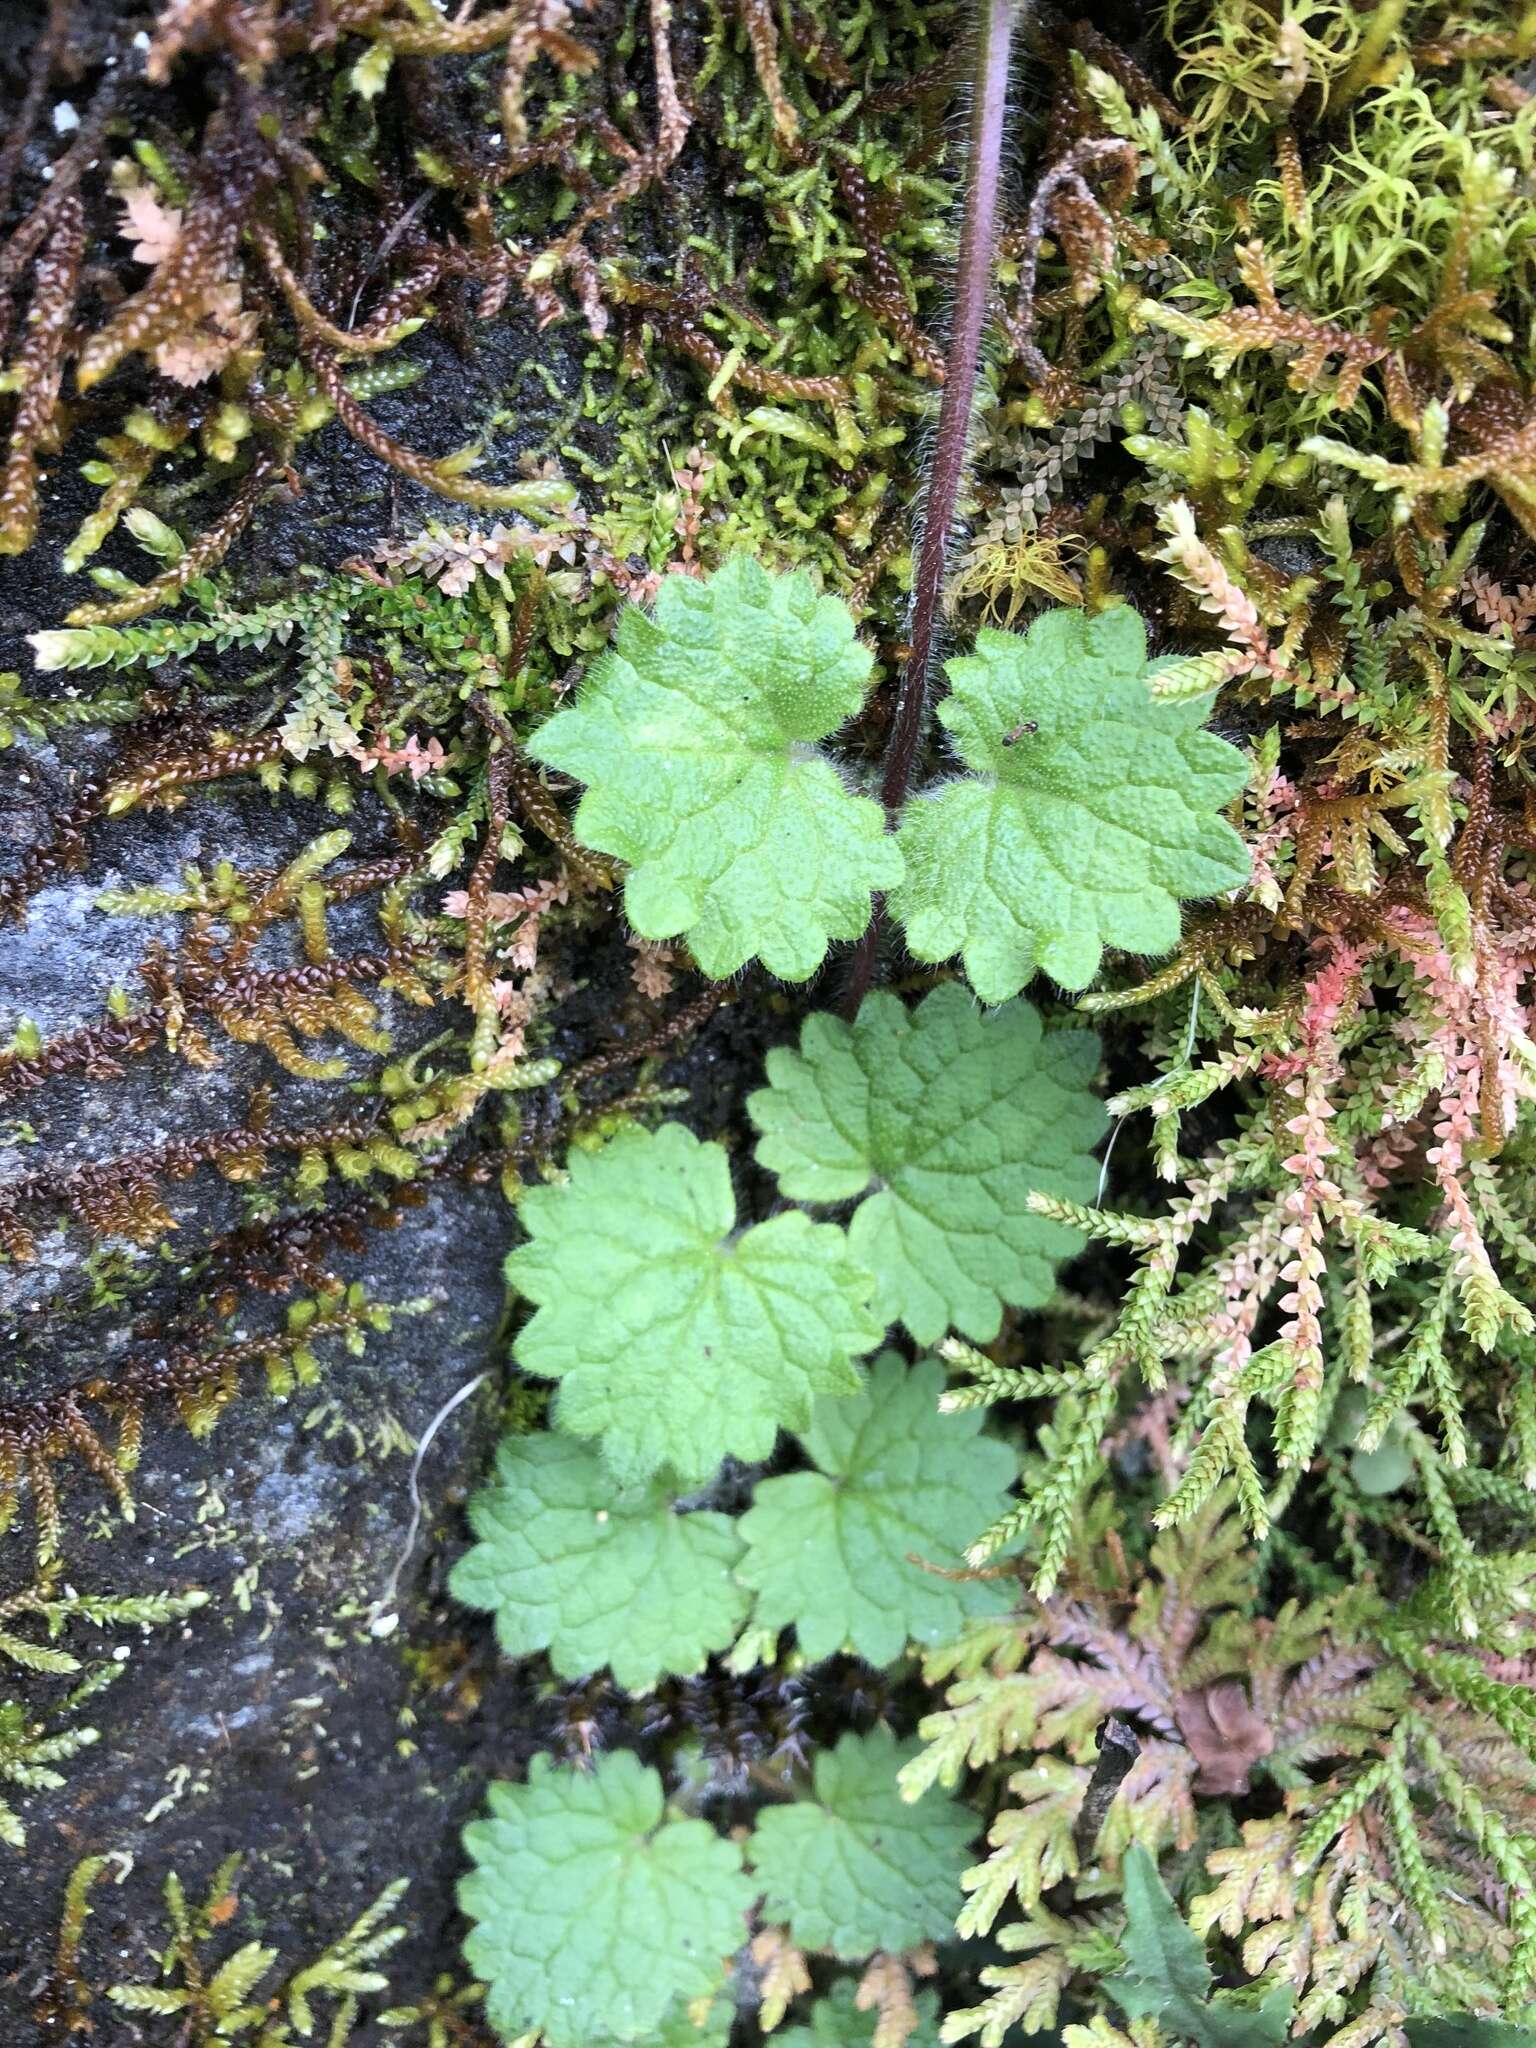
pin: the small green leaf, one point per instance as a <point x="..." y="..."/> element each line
<point x="1166" y="1956"/>
<point x="1091" y="812"/>
<point x="832" y="1551"/>
<point x="36" y="1656"/>
<point x="595" y="1912"/>
<point x="675" y="1339"/>
<point x="595" y="1576"/>
<point x="368" y="74"/>
<point x="149" y="1998"/>
<point x="836" y="2022"/>
<point x="1169" y="1980"/>
<point x="856" y="1868"/>
<point x="697" y="737"/>
<point x="153" y="535"/>
<point x="943" y="1119"/>
<point x="1389" y="1467"/>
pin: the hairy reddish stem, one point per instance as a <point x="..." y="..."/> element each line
<point x="973" y="289"/>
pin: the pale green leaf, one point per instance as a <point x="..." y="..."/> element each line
<point x="595" y="1575"/>
<point x="1091" y="812"/>
<point x="697" y="737"/>
<point x="942" y="1119"/>
<point x="595" y="1912"/>
<point x="676" y="1339"/>
<point x="36" y="1656"/>
<point x="149" y="1998"/>
<point x="855" y="1868"/>
<point x="1389" y="1464"/>
<point x="832" y="1551"/>
<point x="368" y="74"/>
<point x="1389" y="1467"/>
<point x="237" y="1977"/>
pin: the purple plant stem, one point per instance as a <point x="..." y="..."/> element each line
<point x="973" y="290"/>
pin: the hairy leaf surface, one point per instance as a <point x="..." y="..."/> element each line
<point x="697" y="737"/>
<point x="855" y="1868"/>
<point x="675" y="1340"/>
<point x="831" y="1550"/>
<point x="1091" y="810"/>
<point x="595" y="1912"/>
<point x="942" y="1119"/>
<point x="597" y="1576"/>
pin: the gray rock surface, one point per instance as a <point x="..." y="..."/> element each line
<point x="279" y="1721"/>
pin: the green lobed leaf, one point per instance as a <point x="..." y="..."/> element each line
<point x="696" y="738"/>
<point x="830" y="1551"/>
<point x="595" y="1912"/>
<point x="594" y="1575"/>
<point x="1168" y="1979"/>
<point x="856" y="1868"/>
<point x="942" y="1119"/>
<point x="1091" y="812"/>
<point x="676" y="1340"/>
<point x="836" y="2022"/>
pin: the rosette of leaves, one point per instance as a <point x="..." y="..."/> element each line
<point x="696" y="737"/>
<point x="597" y="1576"/>
<point x="677" y="1339"/>
<point x="840" y="1552"/>
<point x="1090" y="811"/>
<point x="596" y="1912"/>
<point x="940" y="1121"/>
<point x="855" y="1868"/>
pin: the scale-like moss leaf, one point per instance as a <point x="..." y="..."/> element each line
<point x="943" y="1119"/>
<point x="697" y="737"/>
<point x="594" y="1575"/>
<point x="1091" y="812"/>
<point x="595" y="1912"/>
<point x="855" y="1868"/>
<point x="676" y="1340"/>
<point x="831" y="1550"/>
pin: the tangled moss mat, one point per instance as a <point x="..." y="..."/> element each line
<point x="360" y="363"/>
<point x="284" y="1720"/>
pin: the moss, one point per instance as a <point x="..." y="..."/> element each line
<point x="492" y="345"/>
